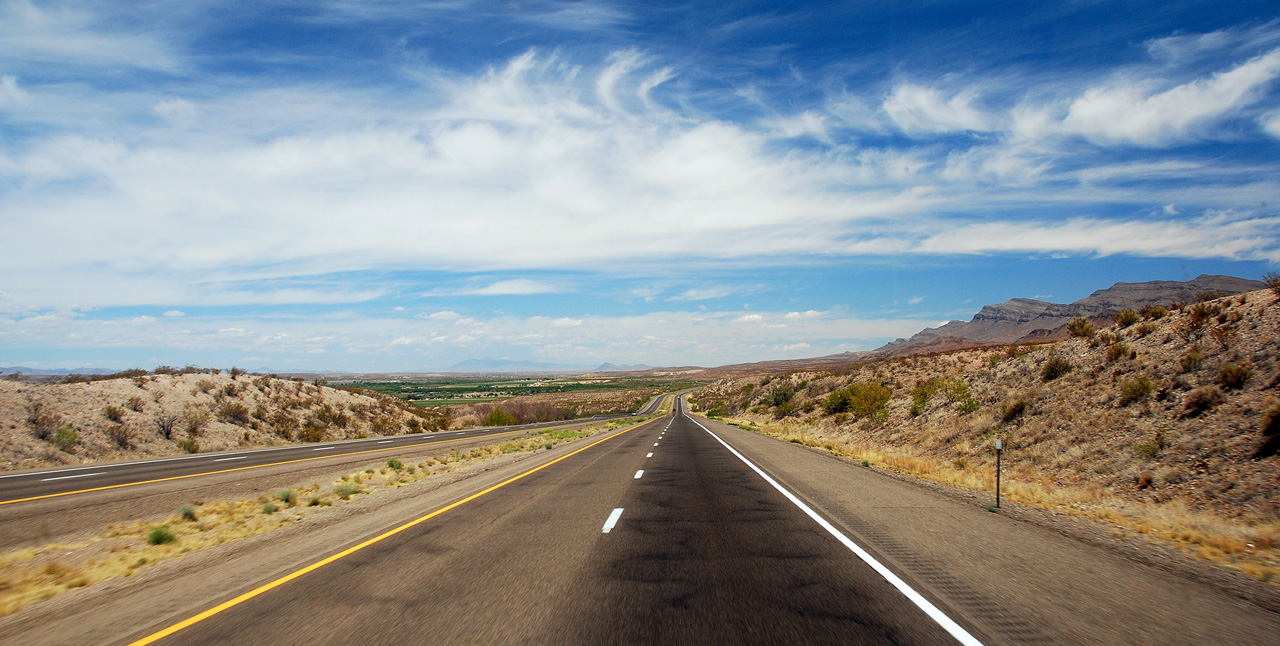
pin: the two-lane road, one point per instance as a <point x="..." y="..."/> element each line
<point x="658" y="534"/>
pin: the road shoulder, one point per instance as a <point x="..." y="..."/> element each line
<point x="1016" y="581"/>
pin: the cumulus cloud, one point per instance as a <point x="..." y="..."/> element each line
<point x="749" y="318"/>
<point x="443" y="315"/>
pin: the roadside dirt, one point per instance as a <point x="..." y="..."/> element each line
<point x="124" y="609"/>
<point x="1022" y="575"/>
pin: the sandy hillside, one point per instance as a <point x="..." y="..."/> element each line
<point x="169" y="414"/>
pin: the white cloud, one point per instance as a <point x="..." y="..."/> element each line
<point x="805" y="124"/>
<point x="915" y="300"/>
<point x="1128" y="111"/>
<point x="66" y="35"/>
<point x="513" y="287"/>
<point x="701" y="294"/>
<point x="173" y="313"/>
<point x="798" y="316"/>
<point x="748" y="318"/>
<point x="566" y="322"/>
<point x="444" y="315"/>
<point x="917" y="109"/>
<point x="10" y="93"/>
<point x="177" y="111"/>
<point x="1271" y="124"/>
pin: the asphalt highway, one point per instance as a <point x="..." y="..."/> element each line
<point x="43" y="484"/>
<point x="658" y="534"/>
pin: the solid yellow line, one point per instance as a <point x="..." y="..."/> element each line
<point x="256" y="466"/>
<point x="154" y="637"/>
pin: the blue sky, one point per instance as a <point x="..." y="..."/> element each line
<point x="397" y="186"/>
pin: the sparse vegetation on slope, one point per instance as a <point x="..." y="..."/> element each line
<point x="139" y="414"/>
<point x="1169" y="435"/>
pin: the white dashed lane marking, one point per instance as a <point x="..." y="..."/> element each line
<point x="82" y="475"/>
<point x="612" y="520"/>
<point x="639" y="473"/>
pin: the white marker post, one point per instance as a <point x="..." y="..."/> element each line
<point x="999" y="448"/>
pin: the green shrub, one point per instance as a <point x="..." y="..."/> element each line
<point x="121" y="435"/>
<point x="187" y="512"/>
<point x="190" y="445"/>
<point x="1154" y="312"/>
<point x="1055" y="367"/>
<point x="346" y="489"/>
<point x="313" y="430"/>
<point x="782" y="394"/>
<point x="1118" y="351"/>
<point x="234" y="413"/>
<point x="861" y="399"/>
<point x="317" y="501"/>
<point x="548" y="446"/>
<point x="288" y="496"/>
<point x="1192" y="360"/>
<point x="42" y="420"/>
<point x="1080" y="326"/>
<point x="1134" y="389"/>
<point x="160" y="534"/>
<point x="66" y="437"/>
<point x="1233" y="377"/>
<point x="269" y="508"/>
<point x="498" y="417"/>
<point x="395" y="464"/>
<point x="1126" y="318"/>
<point x="1272" y="280"/>
<point x="1149" y="448"/>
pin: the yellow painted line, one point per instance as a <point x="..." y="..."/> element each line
<point x="156" y="636"/>
<point x="329" y="456"/>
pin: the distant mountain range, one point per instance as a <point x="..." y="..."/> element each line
<point x="1021" y="320"/>
<point x="1026" y="319"/>
<point x="491" y="365"/>
<point x="609" y="367"/>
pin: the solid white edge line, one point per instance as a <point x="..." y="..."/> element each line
<point x="639" y="473"/>
<point x="612" y="520"/>
<point x="385" y="442"/>
<point x="324" y="448"/>
<point x="80" y="475"/>
<point x="238" y="457"/>
<point x="960" y="634"/>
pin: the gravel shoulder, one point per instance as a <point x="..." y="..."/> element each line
<point x="1021" y="575"/>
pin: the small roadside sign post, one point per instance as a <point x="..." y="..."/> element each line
<point x="999" y="449"/>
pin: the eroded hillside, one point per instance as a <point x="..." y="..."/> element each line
<point x="1167" y="421"/>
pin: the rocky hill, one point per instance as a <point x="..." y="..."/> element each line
<point x="147" y="415"/>
<point x="1167" y="426"/>
<point x="1026" y="319"/>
